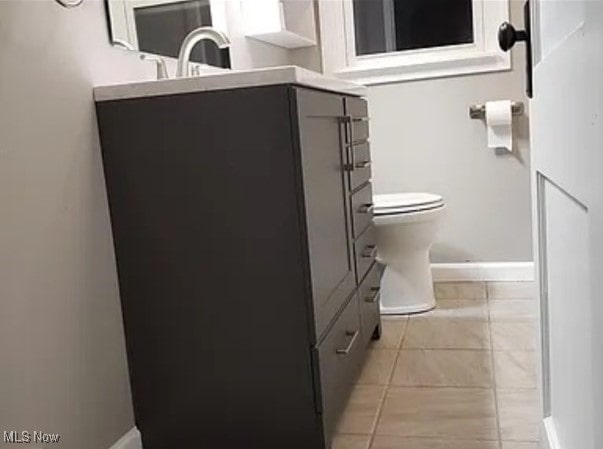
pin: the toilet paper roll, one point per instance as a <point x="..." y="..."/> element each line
<point x="499" y="120"/>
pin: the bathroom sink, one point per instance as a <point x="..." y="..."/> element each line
<point x="228" y="79"/>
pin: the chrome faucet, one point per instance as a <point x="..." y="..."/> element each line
<point x="192" y="39"/>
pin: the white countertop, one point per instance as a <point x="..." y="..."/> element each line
<point x="227" y="80"/>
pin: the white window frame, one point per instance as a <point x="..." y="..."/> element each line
<point x="338" y="44"/>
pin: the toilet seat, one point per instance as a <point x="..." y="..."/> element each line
<point x="405" y="203"/>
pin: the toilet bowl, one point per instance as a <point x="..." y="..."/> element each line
<point x="407" y="224"/>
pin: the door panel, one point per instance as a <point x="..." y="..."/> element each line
<point x="559" y="19"/>
<point x="562" y="151"/>
<point x="566" y="316"/>
<point x="567" y="149"/>
<point x="327" y="214"/>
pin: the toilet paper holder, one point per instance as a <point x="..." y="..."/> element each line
<point x="478" y="111"/>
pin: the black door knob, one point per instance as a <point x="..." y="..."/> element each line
<point x="508" y="35"/>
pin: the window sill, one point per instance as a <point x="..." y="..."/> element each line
<point x="391" y="69"/>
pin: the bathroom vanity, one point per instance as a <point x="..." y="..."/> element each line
<point x="241" y="210"/>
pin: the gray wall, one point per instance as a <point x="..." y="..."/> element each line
<point x="423" y="140"/>
<point x="62" y="356"/>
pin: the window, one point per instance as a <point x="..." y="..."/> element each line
<point x="396" y="25"/>
<point x="380" y="41"/>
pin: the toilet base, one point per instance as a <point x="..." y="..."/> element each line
<point x="407" y="288"/>
<point x="408" y="310"/>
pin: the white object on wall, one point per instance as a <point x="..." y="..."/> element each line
<point x="285" y="23"/>
<point x="499" y="120"/>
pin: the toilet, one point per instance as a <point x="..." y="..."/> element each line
<point x="407" y="224"/>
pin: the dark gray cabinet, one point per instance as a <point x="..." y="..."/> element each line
<point x="245" y="255"/>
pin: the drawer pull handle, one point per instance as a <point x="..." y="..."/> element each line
<point x="345" y="122"/>
<point x="363" y="164"/>
<point x="350" y="345"/>
<point x="369" y="252"/>
<point x="374" y="296"/>
<point x="359" y="144"/>
<point x="366" y="208"/>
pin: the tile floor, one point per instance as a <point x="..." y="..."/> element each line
<point x="462" y="376"/>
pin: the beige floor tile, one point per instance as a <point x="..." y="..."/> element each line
<point x="513" y="310"/>
<point x="446" y="334"/>
<point x="469" y="309"/>
<point x="360" y="414"/>
<point x="439" y="413"/>
<point x="351" y="442"/>
<point x="513" y="336"/>
<point x="515" y="369"/>
<point x="519" y="445"/>
<point x="378" y="367"/>
<point x="519" y="414"/>
<point x="511" y="290"/>
<point x="443" y="368"/>
<point x="460" y="290"/>
<point x="392" y="331"/>
<point x="387" y="442"/>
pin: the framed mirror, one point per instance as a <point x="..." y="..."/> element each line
<point x="159" y="26"/>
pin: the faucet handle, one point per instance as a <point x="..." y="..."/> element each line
<point x="162" y="72"/>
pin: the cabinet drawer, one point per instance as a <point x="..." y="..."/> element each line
<point x="365" y="249"/>
<point x="359" y="166"/>
<point x="340" y="357"/>
<point x="356" y="107"/>
<point x="362" y="209"/>
<point x="360" y="130"/>
<point x="368" y="301"/>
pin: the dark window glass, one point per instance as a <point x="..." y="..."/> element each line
<point x="162" y="28"/>
<point x="395" y="25"/>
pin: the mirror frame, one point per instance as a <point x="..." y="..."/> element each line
<point x="218" y="17"/>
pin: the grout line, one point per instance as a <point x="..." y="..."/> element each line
<point x="494" y="382"/>
<point x="447" y="438"/>
<point x="462" y="298"/>
<point x="446" y="387"/>
<point x="427" y="348"/>
<point x="388" y="384"/>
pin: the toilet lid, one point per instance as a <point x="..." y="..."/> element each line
<point x="400" y="203"/>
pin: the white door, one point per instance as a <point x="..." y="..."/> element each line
<point x="567" y="186"/>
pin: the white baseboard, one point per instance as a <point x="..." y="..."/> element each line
<point x="130" y="440"/>
<point x="483" y="271"/>
<point x="550" y="439"/>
